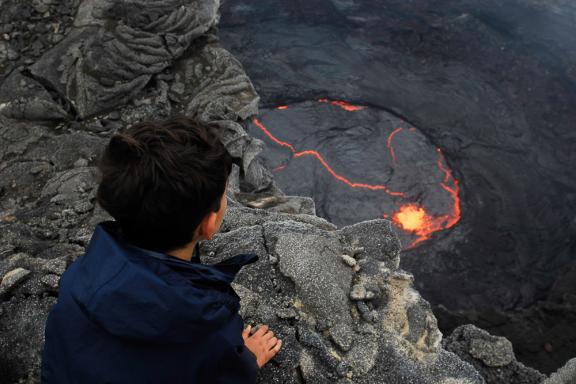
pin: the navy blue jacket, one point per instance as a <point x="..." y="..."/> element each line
<point x="129" y="315"/>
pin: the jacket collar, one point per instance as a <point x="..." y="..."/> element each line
<point x="223" y="272"/>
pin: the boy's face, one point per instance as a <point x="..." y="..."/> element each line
<point x="222" y="210"/>
<point x="213" y="220"/>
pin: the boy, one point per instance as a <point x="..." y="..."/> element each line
<point x="138" y="307"/>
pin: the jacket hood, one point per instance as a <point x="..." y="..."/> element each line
<point x="146" y="295"/>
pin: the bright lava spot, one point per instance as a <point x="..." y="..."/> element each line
<point x="410" y="217"/>
<point x="415" y="219"/>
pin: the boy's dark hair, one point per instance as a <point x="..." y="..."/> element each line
<point x="160" y="179"/>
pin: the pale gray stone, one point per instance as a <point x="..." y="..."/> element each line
<point x="565" y="375"/>
<point x="13" y="278"/>
<point x="492" y="356"/>
<point x="350" y="261"/>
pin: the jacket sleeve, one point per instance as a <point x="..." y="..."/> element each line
<point x="230" y="362"/>
<point x="237" y="365"/>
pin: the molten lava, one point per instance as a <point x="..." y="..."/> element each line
<point x="410" y="217"/>
<point x="389" y="144"/>
<point x="318" y="156"/>
<point x="342" y="104"/>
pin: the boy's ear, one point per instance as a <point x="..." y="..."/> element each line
<point x="208" y="226"/>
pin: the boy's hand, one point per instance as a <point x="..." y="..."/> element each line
<point x="262" y="343"/>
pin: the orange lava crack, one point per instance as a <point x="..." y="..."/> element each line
<point x="410" y="217"/>
<point x="342" y="104"/>
<point x="389" y="144"/>
<point x="319" y="157"/>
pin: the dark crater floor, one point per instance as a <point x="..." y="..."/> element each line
<point x="357" y="161"/>
<point x="490" y="84"/>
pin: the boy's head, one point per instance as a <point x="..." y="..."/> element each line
<point x="161" y="180"/>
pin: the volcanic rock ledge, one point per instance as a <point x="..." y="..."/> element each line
<point x="337" y="298"/>
<point x="492" y="356"/>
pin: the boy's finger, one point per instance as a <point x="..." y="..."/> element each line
<point x="246" y="331"/>
<point x="261" y="330"/>
<point x="268" y="335"/>
<point x="277" y="346"/>
<point x="272" y="342"/>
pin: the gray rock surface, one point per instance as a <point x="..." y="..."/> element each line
<point x="163" y="57"/>
<point x="21" y="337"/>
<point x="301" y="287"/>
<point x="286" y="204"/>
<point x="565" y="375"/>
<point x="97" y="68"/>
<point x="492" y="356"/>
<point x="541" y="334"/>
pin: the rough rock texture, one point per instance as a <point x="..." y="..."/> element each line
<point x="565" y="375"/>
<point x="116" y="46"/>
<point x="162" y="56"/>
<point x="21" y="336"/>
<point x="492" y="356"/>
<point x="29" y="28"/>
<point x="543" y="331"/>
<point x="343" y="321"/>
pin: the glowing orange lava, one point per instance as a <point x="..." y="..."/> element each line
<point x="279" y="168"/>
<point x="374" y="187"/>
<point x="271" y="136"/>
<point x="282" y="107"/>
<point x="342" y="104"/>
<point x="319" y="157"/>
<point x="389" y="144"/>
<point x="410" y="217"/>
